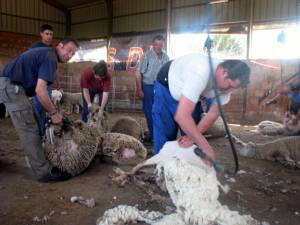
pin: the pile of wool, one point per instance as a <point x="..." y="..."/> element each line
<point x="285" y="150"/>
<point x="128" y="125"/>
<point x="193" y="188"/>
<point x="122" y="148"/>
<point x="74" y="147"/>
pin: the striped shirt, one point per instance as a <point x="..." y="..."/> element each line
<point x="151" y="64"/>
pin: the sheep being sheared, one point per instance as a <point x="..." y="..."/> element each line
<point x="74" y="147"/>
<point x="193" y="188"/>
<point x="285" y="150"/>
<point x="128" y="125"/>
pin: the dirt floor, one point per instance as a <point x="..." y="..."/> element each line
<point x="267" y="190"/>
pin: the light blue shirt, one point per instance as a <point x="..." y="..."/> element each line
<point x="151" y="64"/>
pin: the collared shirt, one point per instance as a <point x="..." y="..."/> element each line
<point x="151" y="64"/>
<point x="34" y="64"/>
<point x="189" y="76"/>
<point x="89" y="81"/>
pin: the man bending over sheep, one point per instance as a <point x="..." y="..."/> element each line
<point x="95" y="81"/>
<point x="180" y="84"/>
<point x="26" y="76"/>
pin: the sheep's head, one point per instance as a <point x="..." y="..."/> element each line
<point x="248" y="150"/>
<point x="291" y="122"/>
<point x="98" y="119"/>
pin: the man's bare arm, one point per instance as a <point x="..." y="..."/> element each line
<point x="185" y="120"/>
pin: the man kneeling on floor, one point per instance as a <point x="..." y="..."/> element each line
<point x="180" y="84"/>
<point x="26" y="76"/>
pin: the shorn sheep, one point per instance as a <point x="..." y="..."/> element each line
<point x="284" y="150"/>
<point x="290" y="126"/>
<point x="193" y="188"/>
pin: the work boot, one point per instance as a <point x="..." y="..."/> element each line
<point x="55" y="174"/>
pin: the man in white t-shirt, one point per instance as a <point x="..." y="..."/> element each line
<point x="179" y="86"/>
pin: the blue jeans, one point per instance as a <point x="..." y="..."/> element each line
<point x="41" y="113"/>
<point x="147" y="105"/>
<point x="85" y="110"/>
<point x="165" y="127"/>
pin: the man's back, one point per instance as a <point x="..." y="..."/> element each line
<point x="31" y="65"/>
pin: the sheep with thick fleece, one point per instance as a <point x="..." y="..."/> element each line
<point x="122" y="148"/>
<point x="193" y="188"/>
<point x="128" y="125"/>
<point x="74" y="147"/>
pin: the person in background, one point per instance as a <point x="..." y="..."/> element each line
<point x="151" y="63"/>
<point x="46" y="34"/>
<point x="95" y="81"/>
<point x="26" y="76"/>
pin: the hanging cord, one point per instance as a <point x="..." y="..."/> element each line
<point x="215" y="87"/>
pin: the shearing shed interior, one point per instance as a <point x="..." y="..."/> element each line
<point x="149" y="112"/>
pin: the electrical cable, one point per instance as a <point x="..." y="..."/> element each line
<point x="215" y="87"/>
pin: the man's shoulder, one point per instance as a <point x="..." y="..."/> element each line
<point x="39" y="44"/>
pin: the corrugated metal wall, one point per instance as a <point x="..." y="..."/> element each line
<point x="192" y="14"/>
<point x="26" y="16"/>
<point x="275" y="10"/>
<point x="138" y="15"/>
<point x="89" y="21"/>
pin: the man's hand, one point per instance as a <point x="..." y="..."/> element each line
<point x="185" y="142"/>
<point x="140" y="93"/>
<point x="56" y="119"/>
<point x="90" y="105"/>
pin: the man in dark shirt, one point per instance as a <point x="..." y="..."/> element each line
<point x="46" y="34"/>
<point x="95" y="81"/>
<point x="28" y="75"/>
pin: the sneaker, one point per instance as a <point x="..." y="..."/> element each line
<point x="55" y="175"/>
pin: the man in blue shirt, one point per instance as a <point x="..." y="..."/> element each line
<point x="26" y="76"/>
<point x="46" y="34"/>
